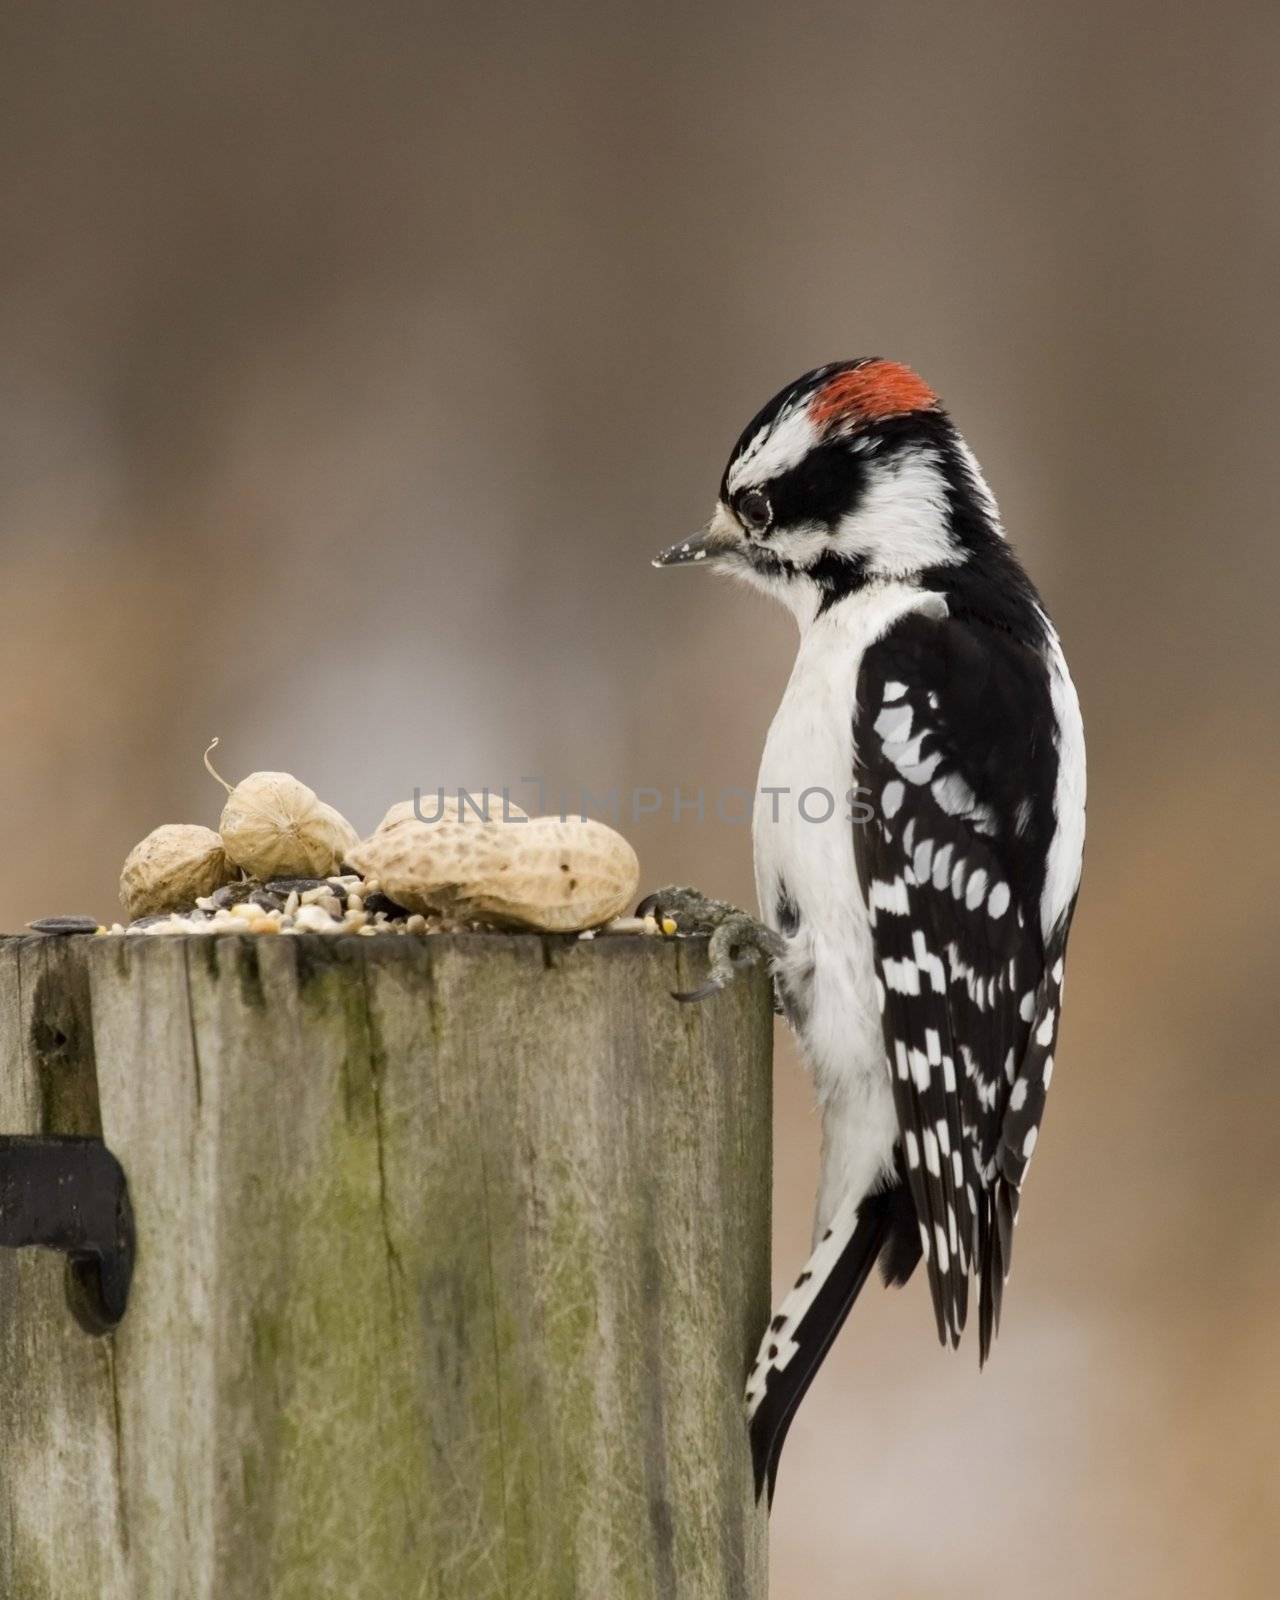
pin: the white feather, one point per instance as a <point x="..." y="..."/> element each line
<point x="1066" y="848"/>
<point x="811" y="744"/>
<point x="900" y="523"/>
<point x="774" y="449"/>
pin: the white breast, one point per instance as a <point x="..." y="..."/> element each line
<point x="803" y="838"/>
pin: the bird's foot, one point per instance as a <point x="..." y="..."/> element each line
<point x="738" y="941"/>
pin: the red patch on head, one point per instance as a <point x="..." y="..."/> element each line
<point x="869" y="392"/>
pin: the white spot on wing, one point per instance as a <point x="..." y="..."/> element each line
<point x="953" y="794"/>
<point x="928" y="963"/>
<point x="919" y="772"/>
<point x="894" y="724"/>
<point x="975" y="890"/>
<point x="902" y="977"/>
<point x="891" y="897"/>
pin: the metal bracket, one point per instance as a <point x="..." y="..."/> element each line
<point x="69" y="1194"/>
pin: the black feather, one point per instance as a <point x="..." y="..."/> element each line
<point x="952" y="864"/>
<point x="816" y="1331"/>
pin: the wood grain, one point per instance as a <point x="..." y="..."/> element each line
<point x="453" y="1254"/>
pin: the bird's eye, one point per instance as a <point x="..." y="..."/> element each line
<point x="754" y="511"/>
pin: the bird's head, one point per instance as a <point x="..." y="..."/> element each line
<point x="852" y="473"/>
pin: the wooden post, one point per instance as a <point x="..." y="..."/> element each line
<point x="452" y="1256"/>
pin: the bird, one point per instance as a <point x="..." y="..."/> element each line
<point x="918" y="860"/>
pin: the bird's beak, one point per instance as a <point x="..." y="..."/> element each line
<point x="718" y="537"/>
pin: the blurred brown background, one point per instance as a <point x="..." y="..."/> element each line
<point x="356" y="359"/>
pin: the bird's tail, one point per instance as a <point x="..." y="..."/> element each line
<point x="811" y="1316"/>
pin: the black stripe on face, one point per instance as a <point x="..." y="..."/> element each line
<point x="823" y="488"/>
<point x="815" y="494"/>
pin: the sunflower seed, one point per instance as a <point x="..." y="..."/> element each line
<point x="377" y="901"/>
<point x="231" y="894"/>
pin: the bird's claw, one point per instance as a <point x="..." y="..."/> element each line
<point x="738" y="941"/>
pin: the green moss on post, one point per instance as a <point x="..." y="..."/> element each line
<point x="453" y="1254"/>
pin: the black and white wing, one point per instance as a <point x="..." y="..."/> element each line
<point x="955" y="755"/>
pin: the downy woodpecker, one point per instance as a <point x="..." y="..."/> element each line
<point x="916" y="937"/>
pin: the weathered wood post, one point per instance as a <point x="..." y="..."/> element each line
<point x="452" y="1255"/>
